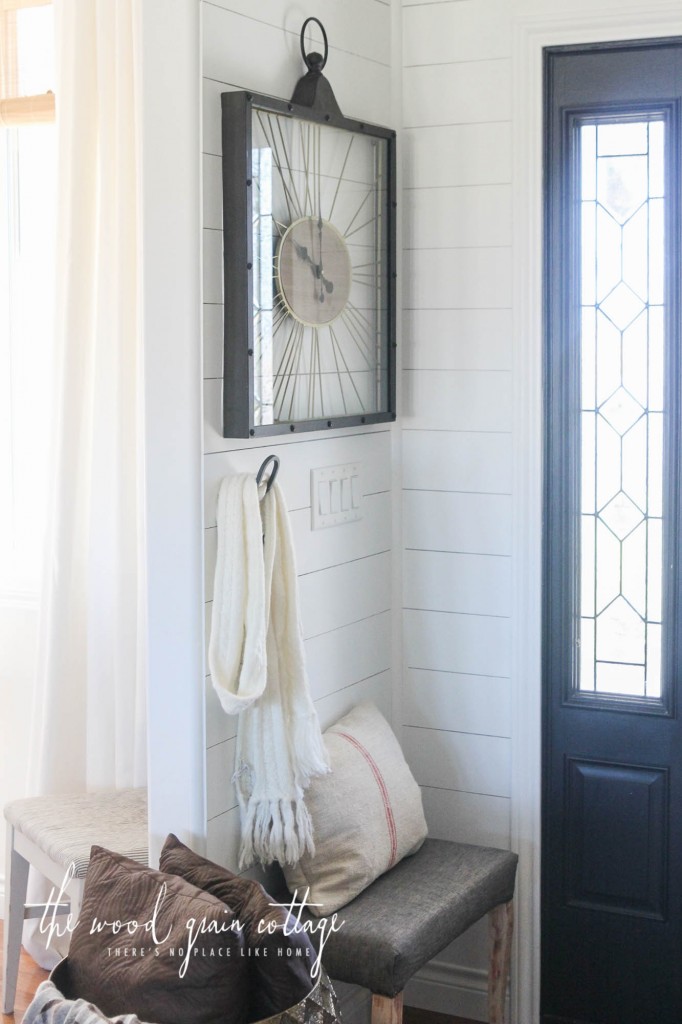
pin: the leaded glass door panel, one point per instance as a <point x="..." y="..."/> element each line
<point x="612" y="799"/>
<point x="622" y="195"/>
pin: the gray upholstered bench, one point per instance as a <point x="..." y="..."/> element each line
<point x="51" y="833"/>
<point x="414" y="911"/>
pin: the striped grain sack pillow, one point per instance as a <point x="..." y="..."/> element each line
<point x="367" y="814"/>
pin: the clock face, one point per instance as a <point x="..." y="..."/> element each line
<point x="320" y="240"/>
<point x="314" y="271"/>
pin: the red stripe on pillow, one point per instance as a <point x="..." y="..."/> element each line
<point x="388" y="810"/>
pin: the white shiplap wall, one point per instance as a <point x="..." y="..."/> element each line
<point x="345" y="573"/>
<point x="457" y="452"/>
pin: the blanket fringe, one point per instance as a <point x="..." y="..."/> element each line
<point x="275" y="830"/>
<point x="307" y="741"/>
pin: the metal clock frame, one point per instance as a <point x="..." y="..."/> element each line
<point x="238" y="339"/>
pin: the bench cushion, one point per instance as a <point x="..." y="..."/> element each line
<point x="410" y="914"/>
<point x="65" y="826"/>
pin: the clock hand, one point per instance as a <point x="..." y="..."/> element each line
<point x="302" y="253"/>
<point x="325" y="281"/>
<point x="319" y="249"/>
<point x="328" y="285"/>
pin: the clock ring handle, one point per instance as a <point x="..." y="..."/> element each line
<point x="314" y="61"/>
<point x="273" y="472"/>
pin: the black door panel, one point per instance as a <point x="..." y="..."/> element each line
<point x="612" y="757"/>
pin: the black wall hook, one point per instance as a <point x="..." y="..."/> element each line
<point x="273" y="472"/>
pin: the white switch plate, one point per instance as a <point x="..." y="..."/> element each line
<point x="332" y="501"/>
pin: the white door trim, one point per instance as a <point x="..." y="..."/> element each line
<point x="531" y="34"/>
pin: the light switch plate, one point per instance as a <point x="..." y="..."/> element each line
<point x="335" y="495"/>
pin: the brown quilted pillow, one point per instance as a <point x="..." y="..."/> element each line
<point x="140" y="970"/>
<point x="279" y="964"/>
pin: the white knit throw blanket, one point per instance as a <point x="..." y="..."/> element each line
<point x="257" y="664"/>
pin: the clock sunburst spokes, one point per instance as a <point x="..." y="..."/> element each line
<point x="287" y="179"/>
<point x="348" y="233"/>
<point x="334" y="346"/>
<point x="311" y="151"/>
<point x="287" y="360"/>
<point x="302" y="363"/>
<point x="340" y="178"/>
<point x="357" y="339"/>
<point x="350" y="375"/>
<point x="286" y="377"/>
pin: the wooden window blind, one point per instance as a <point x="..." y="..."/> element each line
<point x="16" y="109"/>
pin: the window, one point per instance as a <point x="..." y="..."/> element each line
<point x="26" y="62"/>
<point x="613" y="357"/>
<point x="27" y="216"/>
<point x="622" y="198"/>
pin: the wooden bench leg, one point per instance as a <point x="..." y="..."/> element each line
<point x="500" y="929"/>
<point x="75" y="894"/>
<point x="386" y="1010"/>
<point x="16" y="882"/>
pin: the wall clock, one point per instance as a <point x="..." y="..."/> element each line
<point x="309" y="200"/>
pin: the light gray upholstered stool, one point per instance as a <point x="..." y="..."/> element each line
<point x="407" y="916"/>
<point x="50" y="833"/>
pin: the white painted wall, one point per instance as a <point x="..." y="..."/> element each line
<point x="346" y="573"/>
<point x="457" y="442"/>
<point x="168" y="58"/>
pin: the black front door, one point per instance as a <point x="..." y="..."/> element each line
<point x="612" y="798"/>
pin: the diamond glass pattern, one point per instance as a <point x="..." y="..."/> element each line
<point x="621" y="411"/>
<point x="621" y="516"/>
<point x="621" y="305"/>
<point x="621" y="565"/>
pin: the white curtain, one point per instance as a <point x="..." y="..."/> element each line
<point x="89" y="712"/>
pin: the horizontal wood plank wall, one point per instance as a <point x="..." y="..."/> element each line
<point x="457" y="450"/>
<point x="344" y="572"/>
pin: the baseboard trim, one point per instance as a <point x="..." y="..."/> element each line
<point x="448" y="988"/>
